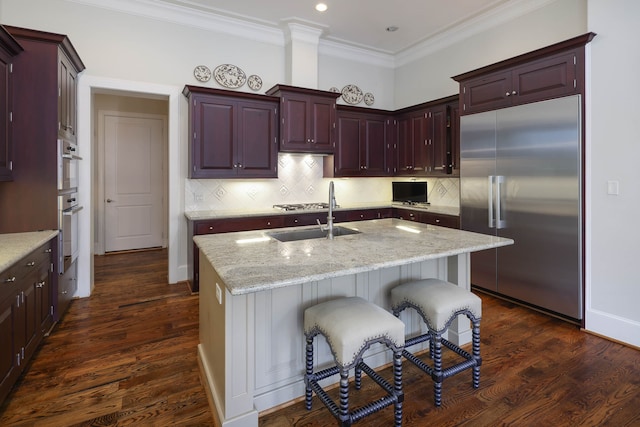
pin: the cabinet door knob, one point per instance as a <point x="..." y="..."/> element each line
<point x="31" y="263"/>
<point x="40" y="284"/>
<point x="10" y="279"/>
<point x="513" y="92"/>
<point x="211" y="227"/>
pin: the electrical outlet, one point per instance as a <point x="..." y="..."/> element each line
<point x="218" y="294"/>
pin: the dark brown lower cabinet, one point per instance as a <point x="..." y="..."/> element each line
<point x="25" y="312"/>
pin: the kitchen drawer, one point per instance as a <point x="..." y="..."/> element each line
<point x="441" y="220"/>
<point x="366" y="214"/>
<point x="294" y="220"/>
<point x="237" y="224"/>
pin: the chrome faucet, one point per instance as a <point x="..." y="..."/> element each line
<point x="332" y="206"/>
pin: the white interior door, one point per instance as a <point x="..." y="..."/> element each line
<point x="133" y="182"/>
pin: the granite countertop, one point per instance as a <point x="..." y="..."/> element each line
<point x="265" y="263"/>
<point x="14" y="246"/>
<point x="218" y="214"/>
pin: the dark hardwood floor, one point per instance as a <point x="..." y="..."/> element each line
<point x="127" y="356"/>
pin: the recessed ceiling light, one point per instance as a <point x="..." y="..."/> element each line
<point x="321" y="7"/>
<point x="392" y="28"/>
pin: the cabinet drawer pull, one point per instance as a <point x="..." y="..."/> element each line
<point x="40" y="284"/>
<point x="31" y="263"/>
<point x="47" y="251"/>
<point x="10" y="279"/>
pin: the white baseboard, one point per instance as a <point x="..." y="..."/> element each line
<point x="613" y="327"/>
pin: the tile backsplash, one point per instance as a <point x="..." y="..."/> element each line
<point x="300" y="181"/>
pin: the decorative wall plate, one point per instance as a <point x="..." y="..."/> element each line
<point x="202" y="73"/>
<point x="254" y="82"/>
<point x="368" y="98"/>
<point x="334" y="90"/>
<point x="230" y="76"/>
<point x="352" y="94"/>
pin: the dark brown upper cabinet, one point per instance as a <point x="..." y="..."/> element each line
<point x="424" y="140"/>
<point x="307" y="119"/>
<point x="9" y="48"/>
<point x="550" y="72"/>
<point x="232" y="134"/>
<point x="37" y="126"/>
<point x="362" y="145"/>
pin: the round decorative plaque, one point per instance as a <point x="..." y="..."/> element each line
<point x="368" y="98"/>
<point x="352" y="94"/>
<point x="229" y="76"/>
<point x="254" y="82"/>
<point x="202" y="73"/>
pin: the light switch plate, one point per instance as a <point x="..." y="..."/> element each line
<point x="613" y="188"/>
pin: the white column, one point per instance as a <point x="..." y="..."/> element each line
<point x="302" y="55"/>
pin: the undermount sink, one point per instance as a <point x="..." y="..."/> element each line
<point x="310" y="233"/>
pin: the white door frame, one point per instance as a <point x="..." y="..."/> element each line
<point x="100" y="164"/>
<point x="177" y="244"/>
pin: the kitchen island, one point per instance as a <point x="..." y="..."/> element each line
<point x="254" y="290"/>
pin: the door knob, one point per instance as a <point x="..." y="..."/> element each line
<point x="109" y="200"/>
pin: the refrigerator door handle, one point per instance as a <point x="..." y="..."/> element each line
<point x="492" y="221"/>
<point x="499" y="221"/>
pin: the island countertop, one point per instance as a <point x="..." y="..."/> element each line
<point x="251" y="261"/>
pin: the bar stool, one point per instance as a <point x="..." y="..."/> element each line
<point x="351" y="325"/>
<point x="439" y="303"/>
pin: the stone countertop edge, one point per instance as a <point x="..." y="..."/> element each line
<point x="221" y="214"/>
<point x="270" y="264"/>
<point x="15" y="246"/>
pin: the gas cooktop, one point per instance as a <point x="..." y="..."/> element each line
<point x="302" y="206"/>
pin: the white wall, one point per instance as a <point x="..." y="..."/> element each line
<point x="613" y="286"/>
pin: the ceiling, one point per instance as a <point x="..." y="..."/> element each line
<point x="359" y="23"/>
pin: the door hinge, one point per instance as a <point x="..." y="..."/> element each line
<point x="10" y="165"/>
<point x="194" y="135"/>
<point x="51" y="310"/>
<point x="575" y="84"/>
<point x="10" y="116"/>
<point x="574" y="60"/>
<point x="10" y="68"/>
<point x="194" y="168"/>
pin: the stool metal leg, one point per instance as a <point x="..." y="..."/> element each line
<point x="345" y="418"/>
<point x="475" y="338"/>
<point x="437" y="368"/>
<point x="309" y="372"/>
<point x="397" y="387"/>
<point x="358" y="377"/>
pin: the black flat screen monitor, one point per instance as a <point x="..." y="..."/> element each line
<point x="409" y="192"/>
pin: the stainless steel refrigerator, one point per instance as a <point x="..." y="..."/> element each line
<point x="520" y="177"/>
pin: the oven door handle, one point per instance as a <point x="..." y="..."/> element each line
<point x="72" y="211"/>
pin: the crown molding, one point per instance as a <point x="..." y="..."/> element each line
<point x="192" y="18"/>
<point x="468" y="28"/>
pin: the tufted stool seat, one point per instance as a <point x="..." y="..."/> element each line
<point x="438" y="303"/>
<point x="351" y="325"/>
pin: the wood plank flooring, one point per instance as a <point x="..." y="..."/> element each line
<point x="127" y="356"/>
